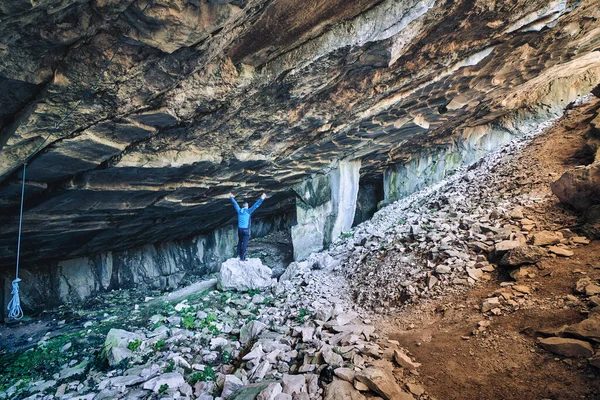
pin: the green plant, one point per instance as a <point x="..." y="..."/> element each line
<point x="253" y="292"/>
<point x="134" y="344"/>
<point x="163" y="388"/>
<point x="226" y="356"/>
<point x="303" y="315"/>
<point x="224" y="298"/>
<point x="159" y="345"/>
<point x="22" y="367"/>
<point x="208" y="374"/>
<point x="213" y="329"/>
<point x="347" y="235"/>
<point x="401" y="221"/>
<point x="170" y="367"/>
<point x="189" y="321"/>
<point x="156" y="325"/>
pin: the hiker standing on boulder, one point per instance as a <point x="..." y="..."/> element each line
<point x="244" y="214"/>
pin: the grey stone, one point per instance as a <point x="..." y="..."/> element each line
<point x="382" y="383"/>
<point x="172" y="379"/>
<point x="244" y="275"/>
<point x="294" y="384"/>
<point x="230" y="385"/>
<point x="250" y="331"/>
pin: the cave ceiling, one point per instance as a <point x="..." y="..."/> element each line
<point x="210" y="97"/>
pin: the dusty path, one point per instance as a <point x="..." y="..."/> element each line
<point x="461" y="357"/>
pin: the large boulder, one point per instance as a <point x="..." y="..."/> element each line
<point x="522" y="255"/>
<point x="244" y="275"/>
<point x="579" y="187"/>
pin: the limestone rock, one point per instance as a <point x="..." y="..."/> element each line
<point x="330" y="357"/>
<point x="270" y="391"/>
<point x="382" y="383"/>
<point x="116" y="343"/>
<point x="588" y="329"/>
<point x="521" y="255"/>
<point x="560" y="251"/>
<point x="230" y="385"/>
<point x="244" y="275"/>
<point x="346" y="374"/>
<point x="404" y="360"/>
<point x="579" y="187"/>
<point x="545" y="238"/>
<point x="342" y="390"/>
<point x="489" y="304"/>
<point x="507" y="245"/>
<point x="250" y="331"/>
<point x="172" y="379"/>
<point x="567" y="347"/>
<point x="294" y="384"/>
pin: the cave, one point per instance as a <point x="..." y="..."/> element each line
<point x="431" y="180"/>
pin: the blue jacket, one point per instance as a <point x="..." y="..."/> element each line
<point x="245" y="213"/>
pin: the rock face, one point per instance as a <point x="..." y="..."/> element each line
<point x="253" y="96"/>
<point x="244" y="275"/>
<point x="325" y="208"/>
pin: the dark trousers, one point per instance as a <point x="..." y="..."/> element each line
<point x="243" y="237"/>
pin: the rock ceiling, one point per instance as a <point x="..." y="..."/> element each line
<point x="211" y="96"/>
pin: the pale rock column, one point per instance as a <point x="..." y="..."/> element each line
<point x="325" y="208"/>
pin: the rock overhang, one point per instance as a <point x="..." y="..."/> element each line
<point x="184" y="118"/>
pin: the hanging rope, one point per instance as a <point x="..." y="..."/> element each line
<point x="14" y="306"/>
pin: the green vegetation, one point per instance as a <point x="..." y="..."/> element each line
<point x="226" y="356"/>
<point x="34" y="364"/>
<point x="253" y="292"/>
<point x="163" y="388"/>
<point x="189" y="321"/>
<point x="303" y="315"/>
<point x="170" y="367"/>
<point x="159" y="345"/>
<point x="134" y="344"/>
<point x="208" y="374"/>
<point x="347" y="235"/>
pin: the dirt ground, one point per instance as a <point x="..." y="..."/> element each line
<point x="503" y="361"/>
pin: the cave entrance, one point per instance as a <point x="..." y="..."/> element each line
<point x="370" y="193"/>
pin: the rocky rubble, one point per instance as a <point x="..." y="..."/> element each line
<point x="451" y="236"/>
<point x="297" y="340"/>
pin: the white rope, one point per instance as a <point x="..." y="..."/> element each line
<point x="14" y="307"/>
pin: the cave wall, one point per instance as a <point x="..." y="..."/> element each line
<point x="325" y="207"/>
<point x="432" y="164"/>
<point x="160" y="265"/>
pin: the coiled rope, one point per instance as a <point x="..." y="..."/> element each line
<point x="14" y="306"/>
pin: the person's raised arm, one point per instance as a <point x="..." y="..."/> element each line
<point x="258" y="203"/>
<point x="235" y="204"/>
